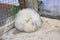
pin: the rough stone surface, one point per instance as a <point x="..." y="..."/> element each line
<point x="48" y="31"/>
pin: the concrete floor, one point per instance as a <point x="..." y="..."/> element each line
<point x="50" y="30"/>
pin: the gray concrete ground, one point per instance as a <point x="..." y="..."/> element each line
<point x="46" y="32"/>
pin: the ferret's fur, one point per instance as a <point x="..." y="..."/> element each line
<point x="27" y="20"/>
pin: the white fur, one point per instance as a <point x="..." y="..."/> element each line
<point x="27" y="20"/>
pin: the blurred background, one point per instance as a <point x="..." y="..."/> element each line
<point x="46" y="8"/>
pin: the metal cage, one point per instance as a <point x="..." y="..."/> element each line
<point x="6" y="15"/>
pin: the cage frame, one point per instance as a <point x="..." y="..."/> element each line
<point x="10" y="25"/>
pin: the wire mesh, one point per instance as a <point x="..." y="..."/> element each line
<point x="6" y="15"/>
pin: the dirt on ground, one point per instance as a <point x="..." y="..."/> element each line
<point x="50" y="30"/>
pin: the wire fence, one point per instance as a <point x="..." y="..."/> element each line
<point x="4" y="16"/>
<point x="7" y="15"/>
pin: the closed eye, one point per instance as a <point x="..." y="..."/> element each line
<point x="28" y="20"/>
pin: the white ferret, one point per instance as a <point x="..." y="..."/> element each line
<point x="27" y="20"/>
